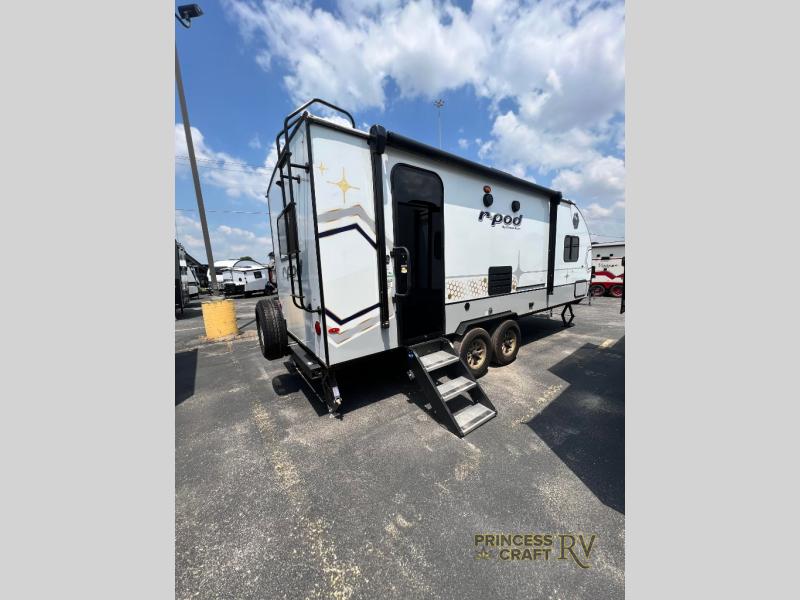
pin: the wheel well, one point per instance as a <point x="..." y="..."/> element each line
<point x="488" y="322"/>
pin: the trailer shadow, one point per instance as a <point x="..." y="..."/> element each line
<point x="291" y="382"/>
<point x="185" y="372"/>
<point x="534" y="328"/>
<point x="376" y="378"/>
<point x="585" y="424"/>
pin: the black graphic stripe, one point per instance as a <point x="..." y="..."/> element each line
<point x="356" y="226"/>
<point x="342" y="321"/>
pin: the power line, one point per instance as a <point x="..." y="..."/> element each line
<point x="224" y="161"/>
<point x="218" y="167"/>
<point x="236" y="212"/>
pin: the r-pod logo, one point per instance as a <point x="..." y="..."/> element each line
<point x="502" y="219"/>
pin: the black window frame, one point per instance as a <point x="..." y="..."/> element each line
<point x="572" y="248"/>
<point x="287" y="223"/>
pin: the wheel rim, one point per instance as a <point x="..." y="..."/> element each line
<point x="509" y="343"/>
<point x="476" y="354"/>
<point x="616" y="292"/>
<point x="260" y="335"/>
<point x="597" y="291"/>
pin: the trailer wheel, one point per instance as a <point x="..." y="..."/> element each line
<point x="475" y="349"/>
<point x="597" y="290"/>
<point x="505" y="342"/>
<point x="616" y="291"/>
<point x="271" y="329"/>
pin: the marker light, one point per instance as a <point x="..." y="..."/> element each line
<point x="333" y="330"/>
<point x="487" y="189"/>
<point x="317" y="327"/>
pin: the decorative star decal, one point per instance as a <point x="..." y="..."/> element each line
<point x="322" y="168"/>
<point x="344" y="185"/>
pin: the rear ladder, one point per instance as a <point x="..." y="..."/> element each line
<point x="449" y="387"/>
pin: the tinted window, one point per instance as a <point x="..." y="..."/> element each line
<point x="572" y="245"/>
<point x="257" y="274"/>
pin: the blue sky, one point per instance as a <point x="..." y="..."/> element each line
<point x="534" y="88"/>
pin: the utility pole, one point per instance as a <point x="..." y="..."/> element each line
<point x="439" y="104"/>
<point x="186" y="13"/>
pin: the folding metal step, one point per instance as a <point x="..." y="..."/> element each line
<point x="438" y="359"/>
<point x="472" y="417"/>
<point x="454" y="387"/>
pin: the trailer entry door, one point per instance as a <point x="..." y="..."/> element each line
<point x="418" y="197"/>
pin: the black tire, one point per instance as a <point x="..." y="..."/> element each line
<point x="475" y="349"/>
<point x="616" y="291"/>
<point x="271" y="327"/>
<point x="597" y="290"/>
<point x="505" y="342"/>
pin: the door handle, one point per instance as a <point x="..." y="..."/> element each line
<point x="403" y="268"/>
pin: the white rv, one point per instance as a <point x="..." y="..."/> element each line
<point x="608" y="276"/>
<point x="242" y="277"/>
<point x="186" y="286"/>
<point x="382" y="242"/>
<point x="189" y="280"/>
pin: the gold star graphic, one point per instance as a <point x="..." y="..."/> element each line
<point x="344" y="185"/>
<point x="322" y="168"/>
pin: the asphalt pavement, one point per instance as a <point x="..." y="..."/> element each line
<point x="277" y="499"/>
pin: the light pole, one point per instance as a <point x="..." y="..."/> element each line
<point x="185" y="14"/>
<point x="439" y="104"/>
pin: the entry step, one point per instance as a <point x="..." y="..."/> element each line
<point x="454" y="387"/>
<point x="473" y="416"/>
<point x="441" y="358"/>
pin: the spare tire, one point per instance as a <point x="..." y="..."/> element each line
<point x="271" y="327"/>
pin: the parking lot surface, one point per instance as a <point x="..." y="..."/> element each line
<point x="277" y="499"/>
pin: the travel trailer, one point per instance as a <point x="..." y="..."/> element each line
<point x="608" y="277"/>
<point x="243" y="277"/>
<point x="186" y="286"/>
<point x="382" y="242"/>
<point x="189" y="279"/>
<point x="178" y="285"/>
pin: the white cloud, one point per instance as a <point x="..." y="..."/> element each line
<point x="463" y="143"/>
<point x="255" y="142"/>
<point x="556" y="67"/>
<point x="227" y="242"/>
<point x="222" y="170"/>
<point x="599" y="180"/>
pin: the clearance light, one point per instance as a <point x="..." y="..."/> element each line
<point x="487" y="189"/>
<point x="317" y="327"/>
<point x="333" y="330"/>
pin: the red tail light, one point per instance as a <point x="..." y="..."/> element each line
<point x="333" y="330"/>
<point x="317" y="327"/>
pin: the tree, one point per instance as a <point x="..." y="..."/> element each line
<point x="246" y="258"/>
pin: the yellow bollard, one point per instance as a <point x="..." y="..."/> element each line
<point x="219" y="318"/>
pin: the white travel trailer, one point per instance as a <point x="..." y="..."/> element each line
<point x="608" y="276"/>
<point x="382" y="242"/>
<point x="189" y="280"/>
<point x="186" y="286"/>
<point x="242" y="277"/>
